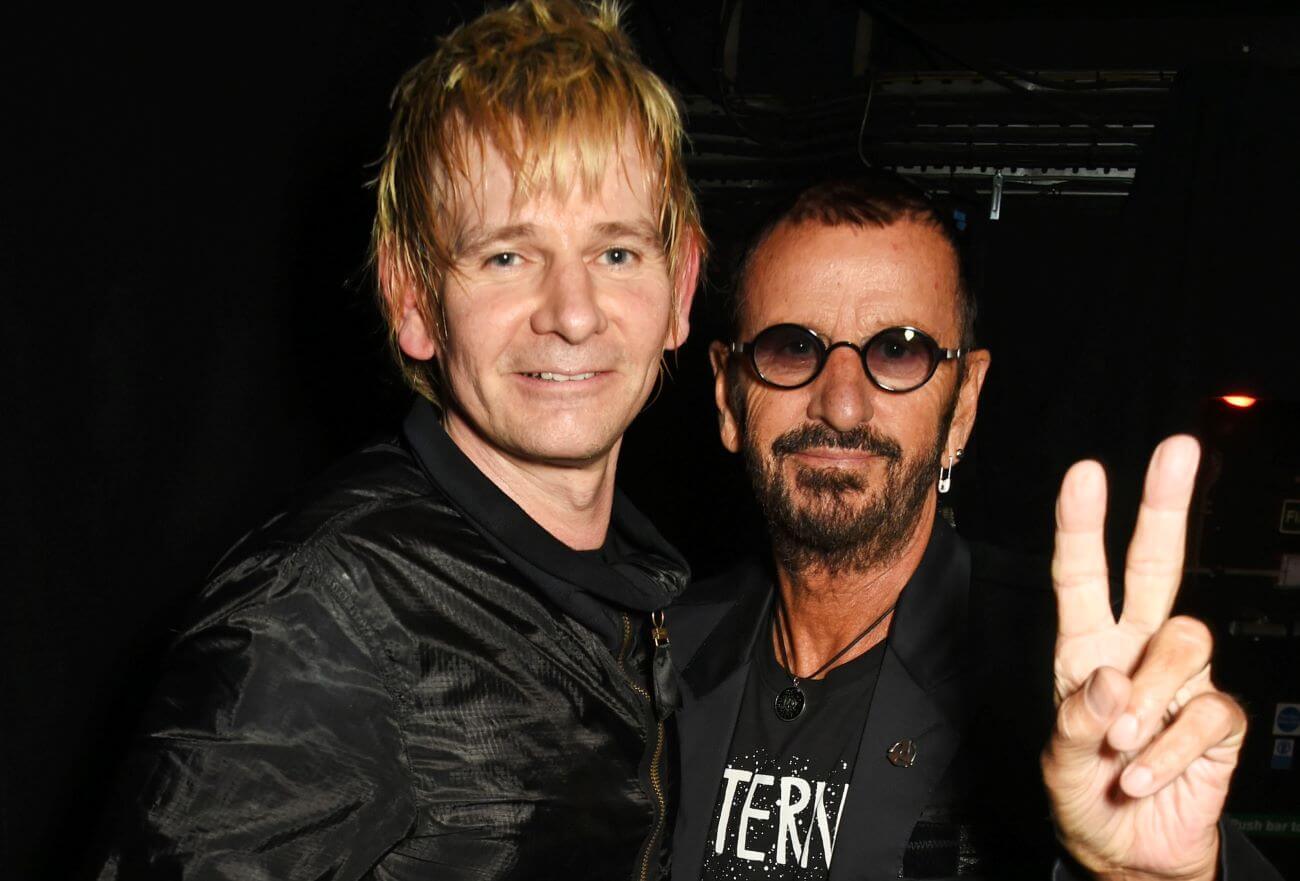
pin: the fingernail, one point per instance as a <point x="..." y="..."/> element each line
<point x="1100" y="700"/>
<point x="1177" y="451"/>
<point x="1137" y="780"/>
<point x="1089" y="479"/>
<point x="1125" y="731"/>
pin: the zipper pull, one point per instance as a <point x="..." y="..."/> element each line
<point x="663" y="675"/>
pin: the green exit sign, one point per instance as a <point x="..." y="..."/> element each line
<point x="1267" y="825"/>
<point x="1290" y="516"/>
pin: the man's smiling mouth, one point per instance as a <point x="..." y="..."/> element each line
<point x="560" y="377"/>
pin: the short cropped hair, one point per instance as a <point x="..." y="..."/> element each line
<point x="553" y="85"/>
<point x="878" y="199"/>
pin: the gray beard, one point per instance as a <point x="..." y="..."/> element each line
<point x="829" y="531"/>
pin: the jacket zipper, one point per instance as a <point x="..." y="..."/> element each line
<point x="656" y="759"/>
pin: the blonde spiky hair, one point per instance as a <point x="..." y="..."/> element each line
<point x="553" y="85"/>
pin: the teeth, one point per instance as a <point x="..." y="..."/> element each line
<point x="561" y="377"/>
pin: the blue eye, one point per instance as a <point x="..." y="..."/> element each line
<point x="503" y="260"/>
<point x="618" y="256"/>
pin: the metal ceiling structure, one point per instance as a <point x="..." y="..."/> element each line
<point x="941" y="126"/>
<point x="930" y="92"/>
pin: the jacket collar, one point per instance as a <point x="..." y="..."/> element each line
<point x="921" y="699"/>
<point x="637" y="571"/>
<point x="927" y="633"/>
<point x="929" y="629"/>
<point x="729" y="625"/>
<point x="920" y="696"/>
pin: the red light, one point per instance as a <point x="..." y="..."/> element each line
<point x="1240" y="401"/>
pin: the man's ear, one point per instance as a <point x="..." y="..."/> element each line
<point x="404" y="299"/>
<point x="684" y="285"/>
<point x="728" y="421"/>
<point x="968" y="396"/>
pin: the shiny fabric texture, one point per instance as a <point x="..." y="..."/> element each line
<point x="369" y="689"/>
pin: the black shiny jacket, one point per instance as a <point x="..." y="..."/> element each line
<point x="405" y="677"/>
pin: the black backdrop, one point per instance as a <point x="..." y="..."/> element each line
<point x="188" y="334"/>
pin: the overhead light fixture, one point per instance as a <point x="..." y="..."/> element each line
<point x="1239" y="401"/>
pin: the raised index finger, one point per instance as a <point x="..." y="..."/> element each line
<point x="1154" y="568"/>
<point x="1079" y="561"/>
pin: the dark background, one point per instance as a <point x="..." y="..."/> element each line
<point x="188" y="331"/>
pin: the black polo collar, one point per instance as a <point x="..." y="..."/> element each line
<point x="637" y="572"/>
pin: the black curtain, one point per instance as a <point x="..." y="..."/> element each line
<point x="187" y="335"/>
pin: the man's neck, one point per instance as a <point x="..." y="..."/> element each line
<point x="825" y="609"/>
<point x="572" y="503"/>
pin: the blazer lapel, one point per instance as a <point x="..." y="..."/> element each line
<point x="918" y="707"/>
<point x="713" y="680"/>
<point x="886" y="797"/>
<point x="705" y="728"/>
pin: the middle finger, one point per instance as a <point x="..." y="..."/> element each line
<point x="1154" y="567"/>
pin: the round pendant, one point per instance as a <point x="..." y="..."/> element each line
<point x="789" y="703"/>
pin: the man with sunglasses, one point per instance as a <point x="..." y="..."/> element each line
<point x="871" y="701"/>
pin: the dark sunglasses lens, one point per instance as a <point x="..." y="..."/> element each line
<point x="900" y="359"/>
<point x="787" y="355"/>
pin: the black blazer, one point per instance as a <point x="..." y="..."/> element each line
<point x="967" y="677"/>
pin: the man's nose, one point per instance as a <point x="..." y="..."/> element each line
<point x="842" y="394"/>
<point x="569" y="306"/>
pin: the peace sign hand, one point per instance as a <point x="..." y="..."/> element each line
<point x="1138" y="766"/>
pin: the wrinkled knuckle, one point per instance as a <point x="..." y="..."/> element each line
<point x="1210" y="712"/>
<point x="1147" y="566"/>
<point x="1063" y="721"/>
<point x="1191" y="631"/>
<point x="1220" y="707"/>
<point x="1074" y="577"/>
<point x="1213" y="702"/>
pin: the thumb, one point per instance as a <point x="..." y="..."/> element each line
<point x="1081" y="724"/>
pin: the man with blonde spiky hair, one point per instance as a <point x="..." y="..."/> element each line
<point x="448" y="660"/>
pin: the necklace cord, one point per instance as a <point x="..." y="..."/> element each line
<point x="781" y="622"/>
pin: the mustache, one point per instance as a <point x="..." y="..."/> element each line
<point x="813" y="435"/>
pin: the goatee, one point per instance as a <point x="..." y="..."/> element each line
<point x="835" y="526"/>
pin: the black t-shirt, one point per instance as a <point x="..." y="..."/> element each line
<point x="785" y="783"/>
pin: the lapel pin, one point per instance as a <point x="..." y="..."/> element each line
<point x="902" y="754"/>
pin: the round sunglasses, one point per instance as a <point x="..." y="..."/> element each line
<point x="897" y="359"/>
